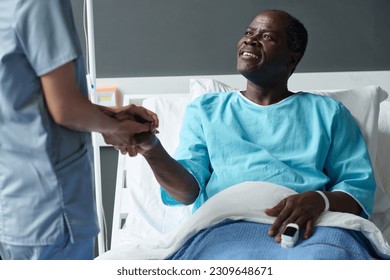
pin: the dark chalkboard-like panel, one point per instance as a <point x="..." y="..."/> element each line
<point x="137" y="38"/>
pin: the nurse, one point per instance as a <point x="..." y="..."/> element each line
<point x="47" y="207"/>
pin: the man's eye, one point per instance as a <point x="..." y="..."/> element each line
<point x="248" y="33"/>
<point x="267" y="37"/>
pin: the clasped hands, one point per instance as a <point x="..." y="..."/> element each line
<point x="135" y="128"/>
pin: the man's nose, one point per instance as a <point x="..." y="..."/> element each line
<point x="252" y="41"/>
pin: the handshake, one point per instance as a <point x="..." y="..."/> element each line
<point x="133" y="130"/>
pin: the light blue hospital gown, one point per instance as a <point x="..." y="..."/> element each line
<point x="46" y="180"/>
<point x="305" y="142"/>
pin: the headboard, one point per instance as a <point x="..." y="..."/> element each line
<point x="135" y="89"/>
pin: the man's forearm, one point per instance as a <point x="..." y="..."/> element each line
<point x="171" y="175"/>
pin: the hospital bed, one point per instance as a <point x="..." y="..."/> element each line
<point x="144" y="228"/>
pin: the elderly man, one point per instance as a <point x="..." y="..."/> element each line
<point x="306" y="142"/>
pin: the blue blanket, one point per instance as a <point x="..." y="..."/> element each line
<point x="243" y="240"/>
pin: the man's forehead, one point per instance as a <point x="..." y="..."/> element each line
<point x="271" y="20"/>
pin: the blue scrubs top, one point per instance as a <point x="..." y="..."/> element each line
<point x="46" y="171"/>
<point x="305" y="142"/>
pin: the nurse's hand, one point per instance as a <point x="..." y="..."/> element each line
<point x="138" y="114"/>
<point x="121" y="134"/>
<point x="302" y="209"/>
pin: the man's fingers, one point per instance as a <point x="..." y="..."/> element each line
<point x="309" y="229"/>
<point x="132" y="151"/>
<point x="121" y="149"/>
<point x="275" y="212"/>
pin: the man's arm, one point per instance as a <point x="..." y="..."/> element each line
<point x="170" y="174"/>
<point x="69" y="108"/>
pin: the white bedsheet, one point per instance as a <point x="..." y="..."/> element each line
<point x="245" y="201"/>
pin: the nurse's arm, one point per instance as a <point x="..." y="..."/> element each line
<point x="69" y="108"/>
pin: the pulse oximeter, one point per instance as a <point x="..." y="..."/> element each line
<point x="290" y="235"/>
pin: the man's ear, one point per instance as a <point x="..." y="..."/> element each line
<point x="293" y="61"/>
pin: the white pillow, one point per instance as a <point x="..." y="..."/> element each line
<point x="382" y="164"/>
<point x="383" y="154"/>
<point x="199" y="87"/>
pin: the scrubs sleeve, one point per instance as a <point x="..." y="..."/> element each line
<point x="192" y="151"/>
<point x="348" y="163"/>
<point x="45" y="32"/>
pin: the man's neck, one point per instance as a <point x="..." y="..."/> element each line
<point x="266" y="95"/>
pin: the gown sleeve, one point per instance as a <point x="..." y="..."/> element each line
<point x="348" y="163"/>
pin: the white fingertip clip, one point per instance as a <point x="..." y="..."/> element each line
<point x="290" y="236"/>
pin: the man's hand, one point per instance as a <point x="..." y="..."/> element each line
<point x="143" y="143"/>
<point x="301" y="209"/>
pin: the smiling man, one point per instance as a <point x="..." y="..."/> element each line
<point x="272" y="46"/>
<point x="306" y="142"/>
